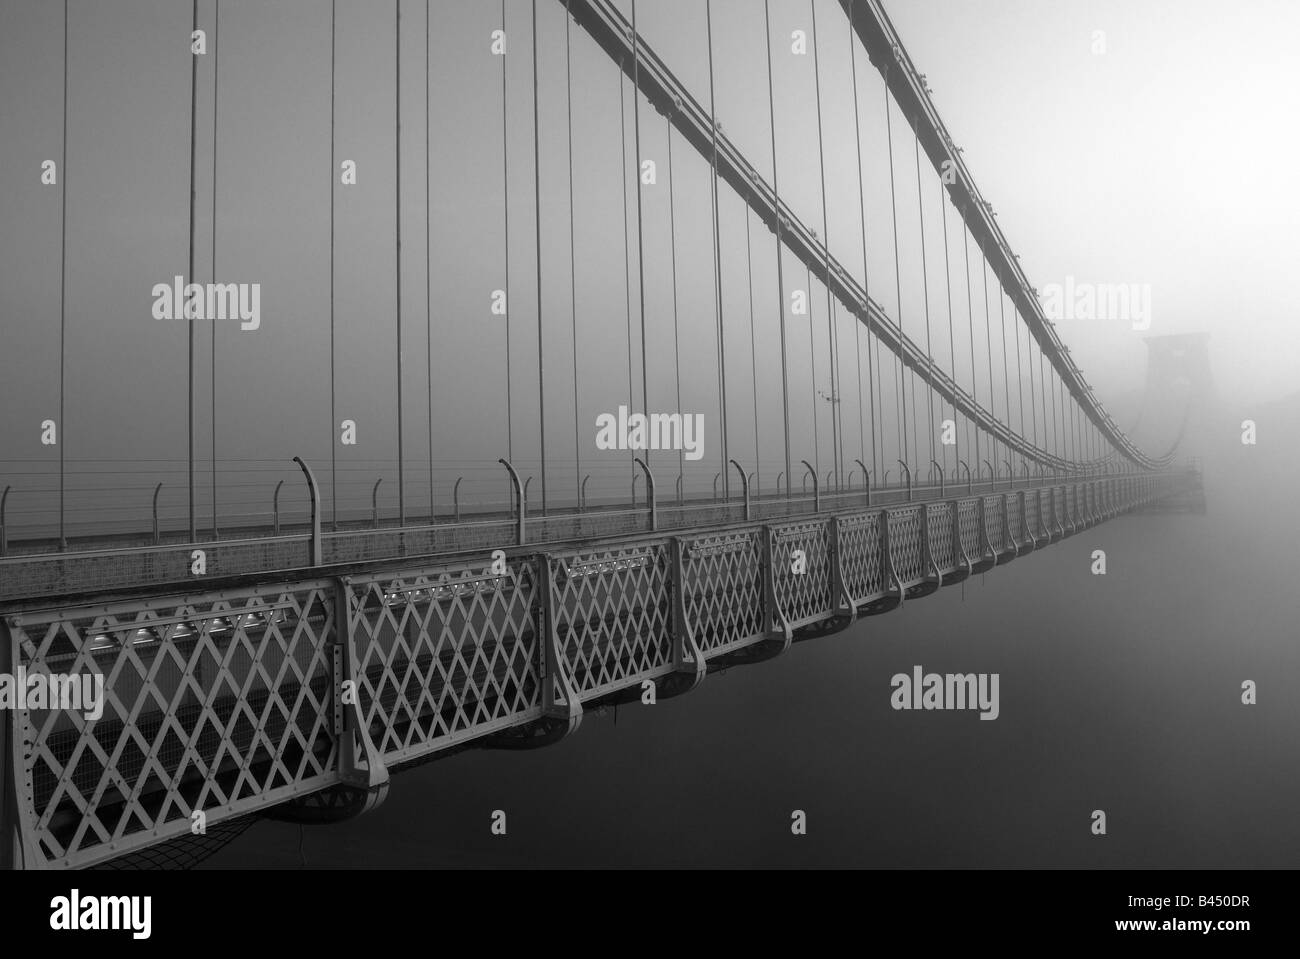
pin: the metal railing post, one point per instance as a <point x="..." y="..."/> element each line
<point x="940" y="469"/>
<point x="744" y="483"/>
<point x="908" y="470"/>
<point x="455" y="497"/>
<point x="519" y="497"/>
<point x="317" y="551"/>
<point x="866" y="479"/>
<point x="970" y="490"/>
<point x="552" y="668"/>
<point x="817" y="496"/>
<point x="275" y="508"/>
<point x="360" y="763"/>
<point x="374" y="504"/>
<point x="649" y="492"/>
<point x="156" y="537"/>
<point x="582" y="494"/>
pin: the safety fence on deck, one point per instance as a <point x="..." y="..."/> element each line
<point x="29" y="575"/>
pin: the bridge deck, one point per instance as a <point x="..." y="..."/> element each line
<point x="236" y="698"/>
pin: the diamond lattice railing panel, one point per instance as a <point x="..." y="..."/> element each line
<point x="993" y="522"/>
<point x="722" y="578"/>
<point x="804" y="597"/>
<point x="860" y="557"/>
<point x="219" y="702"/>
<point x="1015" y="522"/>
<point x="1034" y="510"/>
<point x="941" y="536"/>
<point x="969" y="522"/>
<point x="905" y="548"/>
<point x="613" y="616"/>
<point x="445" y="654"/>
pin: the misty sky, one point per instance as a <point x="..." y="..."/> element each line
<point x="1153" y="163"/>
<point x="1149" y="164"/>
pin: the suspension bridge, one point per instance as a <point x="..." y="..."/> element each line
<point x="886" y="411"/>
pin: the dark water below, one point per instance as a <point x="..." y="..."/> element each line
<point x="1119" y="692"/>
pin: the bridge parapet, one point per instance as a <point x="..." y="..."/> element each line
<point x="968" y="523"/>
<point x="941" y="527"/>
<point x="612" y="616"/>
<point x="993" y="524"/>
<point x="722" y="588"/>
<point x="801" y="558"/>
<point x="909" y="551"/>
<point x="231" y="701"/>
<point x="1014" y="511"/>
<point x="863" y="564"/>
<point x="220" y="702"/>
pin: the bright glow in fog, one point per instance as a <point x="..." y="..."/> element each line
<point x="1160" y="161"/>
